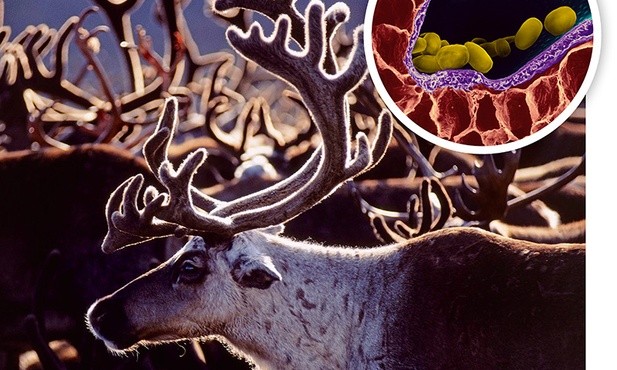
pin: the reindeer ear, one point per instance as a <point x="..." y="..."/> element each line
<point x="255" y="272"/>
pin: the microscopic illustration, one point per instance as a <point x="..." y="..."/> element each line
<point x="481" y="76"/>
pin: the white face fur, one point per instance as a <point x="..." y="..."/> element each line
<point x="195" y="293"/>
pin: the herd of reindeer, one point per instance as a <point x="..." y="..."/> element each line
<point x="260" y="208"/>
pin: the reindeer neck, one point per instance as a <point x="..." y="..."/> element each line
<point x="328" y="297"/>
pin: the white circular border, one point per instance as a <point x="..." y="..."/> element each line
<point x="475" y="149"/>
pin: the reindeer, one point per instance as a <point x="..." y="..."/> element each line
<point x="452" y="298"/>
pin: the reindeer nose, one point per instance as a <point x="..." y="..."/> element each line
<point x="110" y="323"/>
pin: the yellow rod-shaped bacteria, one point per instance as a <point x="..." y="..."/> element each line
<point x="502" y="47"/>
<point x="479" y="58"/>
<point x="452" y="56"/>
<point x="433" y="43"/>
<point x="426" y="63"/>
<point x="419" y="46"/>
<point x="528" y="33"/>
<point x="560" y="20"/>
<point x="490" y="48"/>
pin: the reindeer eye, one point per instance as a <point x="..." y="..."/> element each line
<point x="188" y="267"/>
<point x="190" y="271"/>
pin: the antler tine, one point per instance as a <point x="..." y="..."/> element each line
<point x="253" y="45"/>
<point x="271" y="9"/>
<point x="155" y="151"/>
<point x="444" y="201"/>
<point x="122" y="214"/>
<point x="38" y="44"/>
<point x="156" y="147"/>
<point x="5" y="34"/>
<point x="62" y="48"/>
<point x="426" y="207"/>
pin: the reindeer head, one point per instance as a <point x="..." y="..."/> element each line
<point x="206" y="283"/>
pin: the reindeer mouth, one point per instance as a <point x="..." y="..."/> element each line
<point x="158" y="337"/>
<point x="122" y="340"/>
<point x="120" y="347"/>
<point x="125" y="347"/>
<point x="131" y="342"/>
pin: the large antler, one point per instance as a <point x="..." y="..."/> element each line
<point x="183" y="209"/>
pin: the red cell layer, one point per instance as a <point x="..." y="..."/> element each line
<point x="481" y="116"/>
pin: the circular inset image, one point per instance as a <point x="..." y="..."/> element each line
<point x="482" y="76"/>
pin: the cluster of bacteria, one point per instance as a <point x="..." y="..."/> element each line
<point x="431" y="53"/>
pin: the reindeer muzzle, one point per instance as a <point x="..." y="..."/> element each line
<point x="108" y="321"/>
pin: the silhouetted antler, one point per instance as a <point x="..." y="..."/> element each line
<point x="119" y="15"/>
<point x="419" y="218"/>
<point x="35" y="322"/>
<point x="571" y="174"/>
<point x="490" y="198"/>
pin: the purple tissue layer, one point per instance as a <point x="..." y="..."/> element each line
<point x="467" y="79"/>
